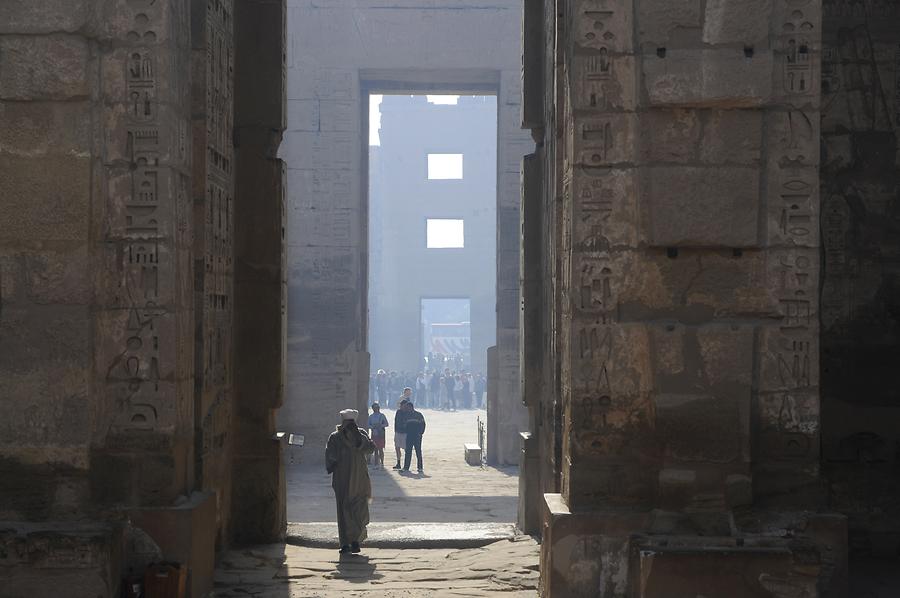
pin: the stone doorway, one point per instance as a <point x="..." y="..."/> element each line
<point x="452" y="503"/>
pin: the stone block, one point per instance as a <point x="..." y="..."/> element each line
<point x="604" y="83"/>
<point x="584" y="554"/>
<point x="722" y="78"/>
<point x="676" y="487"/>
<point x="671" y="135"/>
<point x="790" y="353"/>
<point x="605" y="203"/>
<point x="703" y="393"/>
<point x="603" y="25"/>
<point x="794" y="135"/>
<point x="259" y="489"/>
<point x="45" y="16"/>
<point x="47" y="336"/>
<point x="702" y="207"/>
<point x="737" y="22"/>
<point x="694" y="286"/>
<point x="732" y="137"/>
<point x="37" y="128"/>
<point x="472" y="454"/>
<point x="793" y="207"/>
<point x="52" y="67"/>
<point x="49" y="208"/>
<point x="58" y="277"/>
<point x="186" y="534"/>
<point x="661" y="20"/>
<point x="338" y="116"/>
<point x="689" y="567"/>
<point x="605" y="141"/>
<point x="79" y="559"/>
<point x="738" y="491"/>
<point x="302" y="115"/>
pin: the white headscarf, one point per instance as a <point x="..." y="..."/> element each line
<point x="349" y="414"/>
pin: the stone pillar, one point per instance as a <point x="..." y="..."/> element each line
<point x="513" y="143"/>
<point x="608" y="452"/>
<point x="258" y="499"/>
<point x="327" y="241"/>
<point x="688" y="341"/>
<point x="143" y="324"/>
<point x="212" y="113"/>
<point x="532" y="346"/>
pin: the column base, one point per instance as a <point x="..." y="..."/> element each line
<point x="60" y="559"/>
<point x="614" y="553"/>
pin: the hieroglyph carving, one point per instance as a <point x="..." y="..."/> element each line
<point x="789" y="410"/>
<point x="134" y="374"/>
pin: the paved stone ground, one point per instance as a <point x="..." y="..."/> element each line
<point x="508" y="568"/>
<point x="452" y="504"/>
<point x="450" y="491"/>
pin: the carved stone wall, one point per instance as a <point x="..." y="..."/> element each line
<point x="50" y="414"/>
<point x="116" y="285"/>
<point x="212" y="113"/>
<point x="680" y="151"/>
<point x="144" y="328"/>
<point x="860" y="272"/>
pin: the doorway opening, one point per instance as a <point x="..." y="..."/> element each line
<point x="430" y="194"/>
<point x="432" y="197"/>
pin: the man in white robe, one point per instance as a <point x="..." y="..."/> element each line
<point x="345" y="460"/>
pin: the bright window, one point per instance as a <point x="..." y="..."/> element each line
<point x="445" y="166"/>
<point x="444" y="233"/>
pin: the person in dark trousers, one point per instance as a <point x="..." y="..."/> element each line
<point x="400" y="424"/>
<point x="415" y="428"/>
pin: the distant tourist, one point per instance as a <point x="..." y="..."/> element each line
<point x="345" y="460"/>
<point x="434" y="389"/>
<point x="377" y="424"/>
<point x="400" y="424"/>
<point x="480" y="386"/>
<point x="415" y="428"/>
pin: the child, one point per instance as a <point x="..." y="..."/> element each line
<point x="377" y="423"/>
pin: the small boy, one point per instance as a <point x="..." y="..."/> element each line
<point x="377" y="424"/>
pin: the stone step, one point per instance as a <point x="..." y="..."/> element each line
<point x="385" y="534"/>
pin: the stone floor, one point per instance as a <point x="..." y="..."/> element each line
<point x="506" y="568"/>
<point x="450" y="491"/>
<point x="419" y="524"/>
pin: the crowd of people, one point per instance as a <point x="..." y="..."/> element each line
<point x="445" y="389"/>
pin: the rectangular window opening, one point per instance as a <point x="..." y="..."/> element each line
<point x="445" y="167"/>
<point x="444" y="233"/>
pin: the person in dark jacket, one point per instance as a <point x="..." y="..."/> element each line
<point x="415" y="428"/>
<point x="400" y="424"/>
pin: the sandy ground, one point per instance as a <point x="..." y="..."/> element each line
<point x="450" y="491"/>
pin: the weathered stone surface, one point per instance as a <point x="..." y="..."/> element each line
<point x="53" y="67"/>
<point x="703" y="206"/>
<point x="660" y="20"/>
<point x="42" y="207"/>
<point x="708" y="78"/>
<point x="737" y="21"/>
<point x="46" y="16"/>
<point x="39" y="559"/>
<point x="38" y="128"/>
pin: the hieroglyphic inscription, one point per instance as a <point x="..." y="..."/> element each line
<point x="134" y="374"/>
<point x="214" y="236"/>
<point x="789" y="401"/>
<point x="600" y="237"/>
<point x="797" y="36"/>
